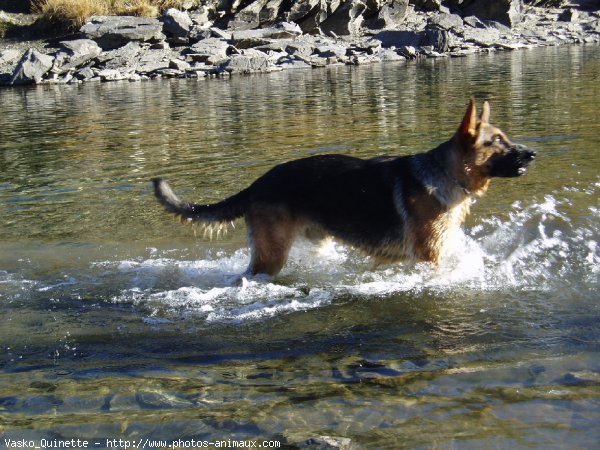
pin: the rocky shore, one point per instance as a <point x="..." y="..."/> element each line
<point x="219" y="38"/>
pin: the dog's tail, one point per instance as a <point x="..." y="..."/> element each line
<point x="211" y="218"/>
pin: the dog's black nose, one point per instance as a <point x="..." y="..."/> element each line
<point x="526" y="153"/>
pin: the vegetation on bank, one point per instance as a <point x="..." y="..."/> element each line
<point x="74" y="13"/>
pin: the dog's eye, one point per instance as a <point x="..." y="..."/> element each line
<point x="496" y="139"/>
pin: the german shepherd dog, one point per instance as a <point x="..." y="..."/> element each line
<point x="390" y="208"/>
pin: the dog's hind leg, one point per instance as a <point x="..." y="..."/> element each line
<point x="271" y="232"/>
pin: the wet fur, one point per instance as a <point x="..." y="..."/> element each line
<point x="390" y="208"/>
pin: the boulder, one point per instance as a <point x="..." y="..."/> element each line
<point x="427" y="5"/>
<point x="300" y="49"/>
<point x="447" y="21"/>
<point x="253" y="38"/>
<point x="150" y="61"/>
<point x="390" y="15"/>
<point x="32" y="67"/>
<point x="179" y="64"/>
<point x="249" y="17"/>
<point x="346" y="20"/>
<point x="507" y="12"/>
<point x="111" y="75"/>
<point x="241" y="64"/>
<point x="319" y="12"/>
<point x="483" y="37"/>
<point x="9" y="55"/>
<point x="270" y="12"/>
<point x="301" y="9"/>
<point x="177" y="24"/>
<point x="76" y="53"/>
<point x="112" y="32"/>
<point x="331" y="49"/>
<point x="569" y="15"/>
<point x="84" y="74"/>
<point x="436" y="38"/>
<point x="125" y="56"/>
<point x="210" y="50"/>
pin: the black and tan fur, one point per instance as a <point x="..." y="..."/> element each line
<point x="391" y="208"/>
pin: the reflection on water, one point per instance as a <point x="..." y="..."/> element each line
<point x="117" y="322"/>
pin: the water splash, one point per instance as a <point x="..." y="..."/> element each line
<point x="545" y="246"/>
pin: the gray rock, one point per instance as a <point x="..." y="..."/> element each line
<point x="318" y="61"/>
<point x="409" y="52"/>
<point x="507" y="12"/>
<point x="179" y="64"/>
<point x="85" y="74"/>
<point x="248" y="17"/>
<point x="346" y="20"/>
<point x="390" y="15"/>
<point x="331" y="49"/>
<point x="447" y="21"/>
<point x="204" y="15"/>
<point x="177" y="24"/>
<point x="9" y="55"/>
<point x="151" y="61"/>
<point x="112" y="32"/>
<point x="125" y="56"/>
<point x="548" y="3"/>
<point x="387" y="54"/>
<point x="221" y="34"/>
<point x="301" y="9"/>
<point x="168" y="72"/>
<point x="436" y="38"/>
<point x="483" y="37"/>
<point x="301" y="49"/>
<point x="593" y="26"/>
<point x="369" y="46"/>
<point x="210" y="50"/>
<point x="262" y="36"/>
<point x="241" y="64"/>
<point x="111" y="75"/>
<point x="290" y="63"/>
<point x="271" y="12"/>
<point x="503" y="29"/>
<point x="75" y="54"/>
<point x="319" y="11"/>
<point x="32" y="67"/>
<point x="276" y="45"/>
<point x="569" y="15"/>
<point x="428" y="5"/>
<point x="474" y="22"/>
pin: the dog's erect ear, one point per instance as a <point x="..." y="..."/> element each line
<point x="468" y="127"/>
<point x="485" y="114"/>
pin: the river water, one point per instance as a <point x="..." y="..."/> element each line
<point x="117" y="323"/>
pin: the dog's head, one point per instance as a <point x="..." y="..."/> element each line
<point x="486" y="151"/>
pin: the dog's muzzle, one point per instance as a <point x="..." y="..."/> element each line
<point x="513" y="163"/>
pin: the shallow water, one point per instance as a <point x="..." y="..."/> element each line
<point x="118" y="323"/>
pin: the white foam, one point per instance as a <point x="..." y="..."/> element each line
<point x="537" y="247"/>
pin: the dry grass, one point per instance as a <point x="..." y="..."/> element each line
<point x="74" y="13"/>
